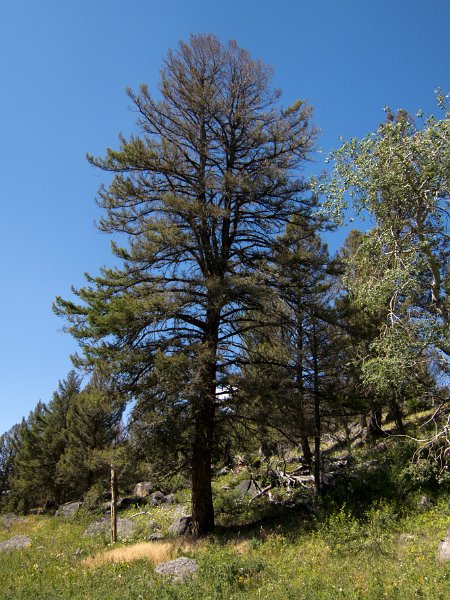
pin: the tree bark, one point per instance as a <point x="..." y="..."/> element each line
<point x="306" y="449"/>
<point x="398" y="418"/>
<point x="202" y="503"/>
<point x="304" y="441"/>
<point x="374" y="424"/>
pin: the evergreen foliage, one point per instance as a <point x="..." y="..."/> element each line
<point x="201" y="194"/>
<point x="226" y="324"/>
<point x="55" y="455"/>
<point x="9" y="445"/>
<point x="93" y="427"/>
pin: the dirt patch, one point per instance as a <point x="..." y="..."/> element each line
<point x="154" y="552"/>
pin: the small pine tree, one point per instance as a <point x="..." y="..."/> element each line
<point x="56" y="431"/>
<point x="30" y="480"/>
<point x="93" y="424"/>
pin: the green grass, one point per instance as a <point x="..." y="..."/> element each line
<point x="379" y="555"/>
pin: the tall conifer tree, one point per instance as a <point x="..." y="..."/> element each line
<point x="201" y="192"/>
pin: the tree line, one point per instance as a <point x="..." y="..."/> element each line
<point x="228" y="323"/>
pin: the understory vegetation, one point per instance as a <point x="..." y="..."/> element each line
<point x="374" y="533"/>
<point x="381" y="553"/>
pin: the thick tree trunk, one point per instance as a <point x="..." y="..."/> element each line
<point x="202" y="503"/>
<point x="374" y="424"/>
<point x="306" y="449"/>
<point x="204" y="415"/>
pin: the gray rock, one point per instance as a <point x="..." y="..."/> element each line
<point x="15" y="543"/>
<point x="169" y="499"/>
<point x="156" y="536"/>
<point x="444" y="550"/>
<point x="157" y="498"/>
<point x="68" y="510"/>
<point x="153" y="525"/>
<point x="426" y="502"/>
<point x="248" y="488"/>
<point x="125" y="528"/>
<point x="142" y="489"/>
<point x="181" y="526"/>
<point x="179" y="569"/>
<point x="98" y="527"/>
<point x="10" y="519"/>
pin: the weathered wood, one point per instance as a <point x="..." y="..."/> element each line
<point x="317" y="423"/>
<point x="142" y="512"/>
<point x="113" y="505"/>
<point x="261" y="493"/>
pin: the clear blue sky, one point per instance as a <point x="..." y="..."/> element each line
<point x="64" y="66"/>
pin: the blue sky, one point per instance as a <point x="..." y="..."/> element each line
<point x="64" y="66"/>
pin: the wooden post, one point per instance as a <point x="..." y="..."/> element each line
<point x="317" y="432"/>
<point x="113" y="505"/>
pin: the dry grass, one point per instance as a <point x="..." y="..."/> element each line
<point x="154" y="552"/>
<point x="242" y="548"/>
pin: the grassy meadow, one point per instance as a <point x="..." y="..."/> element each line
<point x="380" y="554"/>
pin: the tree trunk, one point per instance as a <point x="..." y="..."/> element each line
<point x="306" y="449"/>
<point x="202" y="504"/>
<point x="304" y="441"/>
<point x="374" y="424"/>
<point x="113" y="505"/>
<point x="348" y="440"/>
<point x="398" y="418"/>
<point x="204" y="415"/>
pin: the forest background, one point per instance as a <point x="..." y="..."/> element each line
<point x="64" y="70"/>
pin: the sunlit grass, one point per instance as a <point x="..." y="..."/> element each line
<point x="375" y="557"/>
<point x="153" y="552"/>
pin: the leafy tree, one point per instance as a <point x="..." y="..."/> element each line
<point x="201" y="192"/>
<point x="400" y="176"/>
<point x="56" y="454"/>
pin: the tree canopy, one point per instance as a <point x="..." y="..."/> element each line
<point x="225" y="323"/>
<point x="201" y="193"/>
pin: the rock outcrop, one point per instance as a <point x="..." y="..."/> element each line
<point x="15" y="543"/>
<point x="179" y="569"/>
